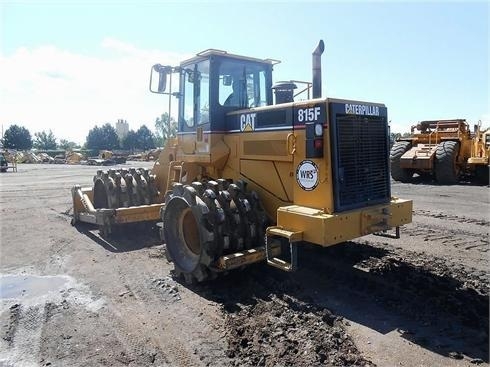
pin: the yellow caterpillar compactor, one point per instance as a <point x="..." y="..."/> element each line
<point x="443" y="149"/>
<point x="247" y="180"/>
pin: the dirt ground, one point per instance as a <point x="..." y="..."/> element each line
<point x="70" y="298"/>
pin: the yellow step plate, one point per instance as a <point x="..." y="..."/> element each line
<point x="292" y="236"/>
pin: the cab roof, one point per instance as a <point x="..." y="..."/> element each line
<point x="206" y="54"/>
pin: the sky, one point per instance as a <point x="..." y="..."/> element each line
<point x="67" y="66"/>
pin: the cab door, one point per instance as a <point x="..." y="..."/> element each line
<point x="194" y="114"/>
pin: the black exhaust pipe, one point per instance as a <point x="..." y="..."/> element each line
<point x="317" y="69"/>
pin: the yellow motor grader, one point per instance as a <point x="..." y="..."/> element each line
<point x="247" y="179"/>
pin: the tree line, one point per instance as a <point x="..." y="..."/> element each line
<point x="98" y="138"/>
<point x="105" y="138"/>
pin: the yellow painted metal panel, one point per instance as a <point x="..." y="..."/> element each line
<point x="322" y="196"/>
<point x="477" y="160"/>
<point x="265" y="147"/>
<point x="419" y="157"/>
<point x="271" y="145"/>
<point x="401" y="212"/>
<point x="286" y="173"/>
<point x="138" y="213"/>
<point x="265" y="174"/>
<point x="325" y="229"/>
<point x="78" y="206"/>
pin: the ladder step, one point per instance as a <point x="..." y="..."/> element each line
<point x="293" y="237"/>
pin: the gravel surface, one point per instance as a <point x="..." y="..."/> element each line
<point x="71" y="298"/>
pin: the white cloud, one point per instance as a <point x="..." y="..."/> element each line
<point x="485" y="120"/>
<point x="49" y="88"/>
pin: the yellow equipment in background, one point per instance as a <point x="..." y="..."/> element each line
<point x="444" y="149"/>
<point x="105" y="154"/>
<point x="248" y="180"/>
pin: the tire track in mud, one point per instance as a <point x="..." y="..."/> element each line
<point x="23" y="335"/>
<point x="456" y="218"/>
<point x="175" y="335"/>
<point x="456" y="238"/>
<point x="467" y="234"/>
<point x="29" y="305"/>
<point x="10" y="326"/>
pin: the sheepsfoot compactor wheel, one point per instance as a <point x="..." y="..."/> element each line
<point x="204" y="222"/>
<point x="117" y="197"/>
<point x="249" y="180"/>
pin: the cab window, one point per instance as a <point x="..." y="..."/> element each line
<point x="242" y="84"/>
<point x="195" y="97"/>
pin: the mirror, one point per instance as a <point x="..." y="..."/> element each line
<point x="158" y="78"/>
<point x="162" y="81"/>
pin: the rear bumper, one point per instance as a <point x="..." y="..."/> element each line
<point x="329" y="229"/>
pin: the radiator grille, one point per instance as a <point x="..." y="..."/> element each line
<point x="361" y="153"/>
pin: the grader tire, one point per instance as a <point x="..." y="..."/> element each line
<point x="204" y="221"/>
<point x="446" y="167"/>
<point x="398" y="173"/>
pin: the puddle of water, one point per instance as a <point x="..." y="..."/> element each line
<point x="29" y="286"/>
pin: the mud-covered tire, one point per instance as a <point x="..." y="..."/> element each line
<point x="396" y="152"/>
<point x="204" y="221"/>
<point x="446" y="167"/>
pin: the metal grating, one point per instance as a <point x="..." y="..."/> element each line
<point x="362" y="169"/>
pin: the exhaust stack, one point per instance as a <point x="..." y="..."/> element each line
<point x="317" y="69"/>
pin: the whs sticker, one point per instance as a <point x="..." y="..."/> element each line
<point x="307" y="175"/>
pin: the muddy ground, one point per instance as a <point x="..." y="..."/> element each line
<point x="70" y="298"/>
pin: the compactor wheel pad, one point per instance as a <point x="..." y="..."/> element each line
<point x="124" y="188"/>
<point x="204" y="221"/>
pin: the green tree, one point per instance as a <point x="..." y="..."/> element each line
<point x="130" y="141"/>
<point x="104" y="137"/>
<point x="394" y="137"/>
<point x="17" y="137"/>
<point x="164" y="131"/>
<point x="144" y="138"/>
<point x="67" y="145"/>
<point x="45" y="140"/>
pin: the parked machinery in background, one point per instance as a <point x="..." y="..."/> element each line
<point x="445" y="149"/>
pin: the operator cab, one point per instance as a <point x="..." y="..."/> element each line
<point x="213" y="83"/>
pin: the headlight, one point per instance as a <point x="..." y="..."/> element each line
<point x="318" y="129"/>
